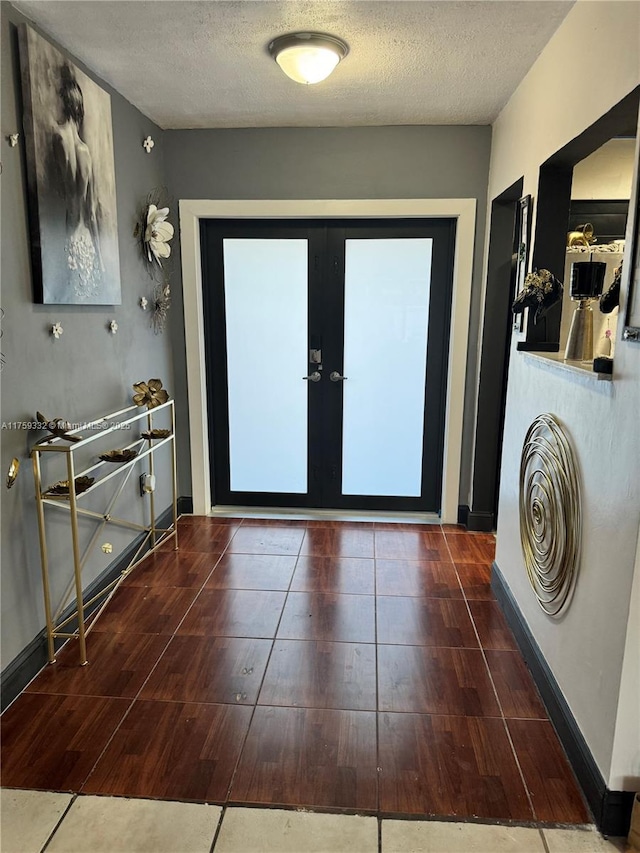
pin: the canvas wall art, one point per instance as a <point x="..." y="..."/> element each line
<point x="71" y="179"/>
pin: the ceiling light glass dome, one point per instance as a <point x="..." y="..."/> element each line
<point x="308" y="57"/>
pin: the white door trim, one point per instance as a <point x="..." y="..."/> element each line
<point x="191" y="211"/>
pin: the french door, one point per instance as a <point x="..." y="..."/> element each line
<point x="326" y="346"/>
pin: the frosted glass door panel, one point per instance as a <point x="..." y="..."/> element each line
<point x="265" y="287"/>
<point x="387" y="285"/>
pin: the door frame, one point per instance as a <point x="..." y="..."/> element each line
<point x="193" y="210"/>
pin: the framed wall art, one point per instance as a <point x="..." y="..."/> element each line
<point x="71" y="179"/>
<point x="521" y="244"/>
<point x="631" y="330"/>
<point x="523" y="239"/>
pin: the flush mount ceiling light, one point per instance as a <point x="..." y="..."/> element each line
<point x="308" y="57"/>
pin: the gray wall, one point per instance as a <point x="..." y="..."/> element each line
<point x="89" y="372"/>
<point x="358" y="162"/>
<point x="85" y="374"/>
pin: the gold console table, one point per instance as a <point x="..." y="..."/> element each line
<point x="68" y="496"/>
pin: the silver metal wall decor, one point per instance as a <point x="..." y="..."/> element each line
<point x="550" y="513"/>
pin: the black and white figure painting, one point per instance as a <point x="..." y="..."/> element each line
<point x="71" y="178"/>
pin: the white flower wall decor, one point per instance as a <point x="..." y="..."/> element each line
<point x="154" y="232"/>
<point x="157" y="234"/>
<point x="57" y="330"/>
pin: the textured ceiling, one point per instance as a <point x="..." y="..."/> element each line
<point x="205" y="64"/>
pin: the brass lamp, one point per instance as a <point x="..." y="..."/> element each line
<point x="587" y="279"/>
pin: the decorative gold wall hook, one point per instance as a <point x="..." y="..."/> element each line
<point x="12" y="473"/>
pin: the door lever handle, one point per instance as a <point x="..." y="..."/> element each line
<point x="316" y="376"/>
<point x="336" y="377"/>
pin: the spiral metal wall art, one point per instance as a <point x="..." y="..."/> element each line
<point x="550" y="513"/>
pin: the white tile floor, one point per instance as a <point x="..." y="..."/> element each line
<point x="34" y="820"/>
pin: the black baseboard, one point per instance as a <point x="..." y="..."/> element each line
<point x="611" y="809"/>
<point x="616" y="812"/>
<point x="481" y="522"/>
<point x="463" y="514"/>
<point x="22" y="669"/>
<point x="185" y="505"/>
<point x="475" y="520"/>
<point x="26" y="665"/>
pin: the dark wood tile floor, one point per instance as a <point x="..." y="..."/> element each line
<point x="329" y="665"/>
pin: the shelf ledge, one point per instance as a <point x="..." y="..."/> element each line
<point x="555" y="362"/>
